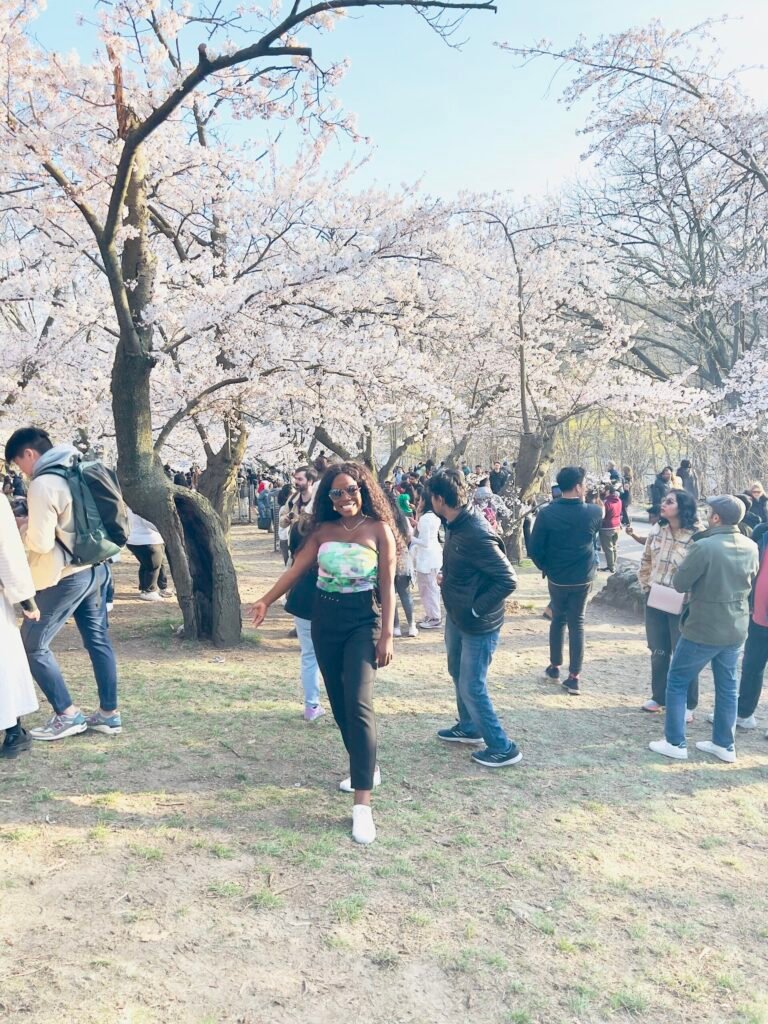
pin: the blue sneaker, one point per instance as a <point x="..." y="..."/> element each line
<point x="59" y="726"/>
<point x="108" y="724"/>
<point x="490" y="760"/>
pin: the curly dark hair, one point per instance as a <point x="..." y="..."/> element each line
<point x="375" y="503"/>
<point x="688" y="510"/>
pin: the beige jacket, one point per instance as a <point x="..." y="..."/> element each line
<point x="51" y="518"/>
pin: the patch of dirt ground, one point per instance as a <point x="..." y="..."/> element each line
<point x="199" y="869"/>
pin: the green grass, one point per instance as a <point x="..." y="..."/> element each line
<point x="551" y="893"/>
<point x="349" y="909"/>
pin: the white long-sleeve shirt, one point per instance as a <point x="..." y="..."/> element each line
<point x="425" y="548"/>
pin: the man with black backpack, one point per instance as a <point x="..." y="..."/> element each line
<point x="75" y="522"/>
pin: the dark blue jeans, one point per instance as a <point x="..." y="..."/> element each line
<point x="81" y="596"/>
<point x="687" y="661"/>
<point x="469" y="658"/>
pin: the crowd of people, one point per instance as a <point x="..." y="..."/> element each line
<point x="351" y="550"/>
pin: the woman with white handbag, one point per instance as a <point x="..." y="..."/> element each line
<point x="665" y="549"/>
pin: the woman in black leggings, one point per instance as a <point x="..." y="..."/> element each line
<point x="352" y="541"/>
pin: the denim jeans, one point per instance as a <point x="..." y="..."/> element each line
<point x="403" y="591"/>
<point x="81" y="596"/>
<point x="662" y="631"/>
<point x="310" y="673"/>
<point x="469" y="658"/>
<point x="687" y="661"/>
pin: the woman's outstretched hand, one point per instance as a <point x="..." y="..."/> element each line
<point x="259" y="613"/>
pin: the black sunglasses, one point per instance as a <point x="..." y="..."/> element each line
<point x="339" y="492"/>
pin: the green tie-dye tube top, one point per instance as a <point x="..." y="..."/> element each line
<point x="346" y="568"/>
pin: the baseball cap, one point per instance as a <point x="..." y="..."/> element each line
<point x="730" y="509"/>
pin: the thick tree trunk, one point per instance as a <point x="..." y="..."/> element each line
<point x="535" y="456"/>
<point x="201" y="565"/>
<point x="458" y="452"/>
<point x="218" y="481"/>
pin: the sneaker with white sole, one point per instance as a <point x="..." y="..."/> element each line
<point x="58" y="727"/>
<point x="741" y="723"/>
<point x="110" y="724"/>
<point x="167" y="595"/>
<point x="150" y="595"/>
<point x="668" y="750"/>
<point x="312" y="712"/>
<point x="346" y="784"/>
<point x="413" y="631"/>
<point x="488" y="759"/>
<point x="652" y="706"/>
<point x="708" y="747"/>
<point x="397" y="632"/>
<point x="430" y="624"/>
<point x="363" y="828"/>
<point x="457" y="735"/>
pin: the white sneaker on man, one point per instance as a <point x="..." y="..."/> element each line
<point x="741" y="723"/>
<point x="708" y="747"/>
<point x="150" y="595"/>
<point x="669" y="750"/>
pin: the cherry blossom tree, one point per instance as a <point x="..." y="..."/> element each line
<point x="681" y="148"/>
<point x="98" y="142"/>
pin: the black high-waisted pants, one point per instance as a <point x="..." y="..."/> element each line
<point x="345" y="628"/>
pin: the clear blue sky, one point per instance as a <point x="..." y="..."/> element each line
<point x="469" y="118"/>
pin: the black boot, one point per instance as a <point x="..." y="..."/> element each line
<point x="16" y="740"/>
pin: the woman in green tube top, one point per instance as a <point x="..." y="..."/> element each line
<point x="352" y="542"/>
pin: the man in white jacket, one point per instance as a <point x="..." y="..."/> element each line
<point x="64" y="591"/>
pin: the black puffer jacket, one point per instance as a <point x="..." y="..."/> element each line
<point x="477" y="576"/>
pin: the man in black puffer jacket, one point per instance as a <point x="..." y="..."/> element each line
<point x="476" y="579"/>
<point x="562" y="546"/>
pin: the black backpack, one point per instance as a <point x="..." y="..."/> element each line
<point x="101" y="517"/>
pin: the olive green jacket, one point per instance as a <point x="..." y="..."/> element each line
<point x="717" y="573"/>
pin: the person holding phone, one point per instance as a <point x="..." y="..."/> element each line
<point x="352" y="539"/>
<point x="17" y="691"/>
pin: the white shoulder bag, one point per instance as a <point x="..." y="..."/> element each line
<point x="665" y="599"/>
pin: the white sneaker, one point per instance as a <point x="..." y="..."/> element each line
<point x="110" y="606"/>
<point x="669" y="750"/>
<point x="708" y="747"/>
<point x="150" y="595"/>
<point x="346" y="784"/>
<point x="413" y="631"/>
<point x="167" y="595"/>
<point x="397" y="631"/>
<point x="363" y="828"/>
<point x="741" y="723"/>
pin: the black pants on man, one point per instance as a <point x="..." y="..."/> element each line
<point x="568" y="605"/>
<point x="150" y="557"/>
<point x="752" y="669"/>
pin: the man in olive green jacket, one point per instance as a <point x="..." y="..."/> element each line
<point x="717" y="575"/>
